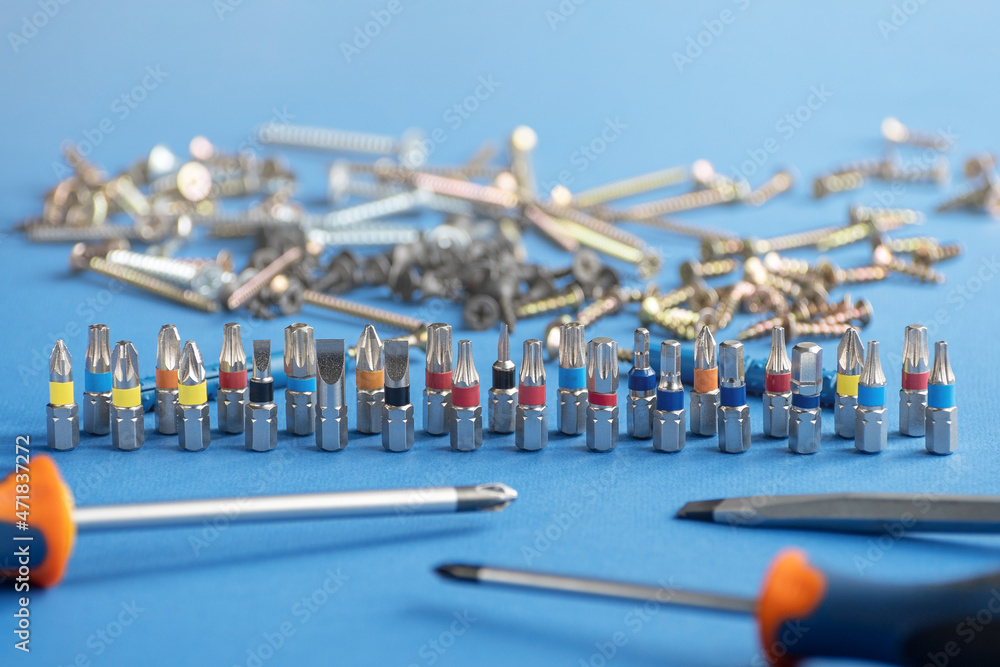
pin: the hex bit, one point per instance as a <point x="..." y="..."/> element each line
<point x="62" y="414"/>
<point x="261" y="422"/>
<point x="465" y="419"/>
<point x="331" y="395"/>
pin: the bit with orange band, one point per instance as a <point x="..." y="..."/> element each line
<point x="704" y="404"/>
<point x="369" y="378"/>
<point x="465" y="421"/>
<point x="62" y="423"/>
<point x="231" y="398"/>
<point x="168" y="362"/>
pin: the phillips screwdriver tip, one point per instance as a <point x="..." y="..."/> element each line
<point x="168" y="348"/>
<point x="704" y="349"/>
<point x="60" y="363"/>
<point x="369" y="350"/>
<point x="192" y="371"/>
<point x="849" y="355"/>
<point x="126" y="364"/>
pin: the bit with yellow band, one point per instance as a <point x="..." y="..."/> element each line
<point x="193" y="428"/>
<point x="62" y="413"/>
<point x="850" y="359"/>
<point x="127" y="414"/>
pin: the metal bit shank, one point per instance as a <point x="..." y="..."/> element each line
<point x="531" y="432"/>
<point x="439" y="362"/>
<point x="806" y="424"/>
<point x="300" y="364"/>
<point x="397" y="419"/>
<point x="231" y="403"/>
<point x="572" y="416"/>
<point x="261" y="423"/>
<point x="942" y="430"/>
<point x="370" y="399"/>
<point x="97" y="404"/>
<point x="331" y="399"/>
<point x="641" y="401"/>
<point x="602" y="378"/>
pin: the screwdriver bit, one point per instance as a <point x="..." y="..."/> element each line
<point x="369" y="377"/>
<point x="871" y="430"/>
<point x="531" y="432"/>
<point x="97" y="381"/>
<point x="397" y="411"/>
<point x="941" y="413"/>
<point x="572" y="379"/>
<point x="503" y="392"/>
<point x="331" y="395"/>
<point x="734" y="413"/>
<point x="193" y="424"/>
<point x="641" y="390"/>
<point x="916" y="368"/>
<point x="805" y="427"/>
<point x="127" y="415"/>
<point x="231" y="397"/>
<point x="168" y="362"/>
<point x="465" y="421"/>
<point x="705" y="394"/>
<point x="437" y="381"/>
<point x="777" y="397"/>
<point x="62" y="424"/>
<point x="261" y="424"/>
<point x="602" y="390"/>
<point x="300" y="389"/>
<point x="669" y="422"/>
<point x="849" y="364"/>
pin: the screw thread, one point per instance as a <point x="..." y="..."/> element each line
<point x="153" y="285"/>
<point x="362" y="311"/>
<point x="571" y="297"/>
<point x="256" y="282"/>
<point x="629" y="187"/>
<point x="326" y="139"/>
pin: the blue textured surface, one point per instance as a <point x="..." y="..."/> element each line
<point x="604" y="92"/>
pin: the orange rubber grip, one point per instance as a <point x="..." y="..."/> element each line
<point x="50" y="515"/>
<point x="793" y="589"/>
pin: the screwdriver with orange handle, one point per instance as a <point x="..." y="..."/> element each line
<point x="37" y="512"/>
<point x="803" y="612"/>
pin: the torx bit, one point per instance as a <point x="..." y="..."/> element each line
<point x="602" y="391"/>
<point x="916" y="368"/>
<point x="231" y="397"/>
<point x="849" y="364"/>
<point x="941" y="413"/>
<point x="465" y="419"/>
<point x="168" y="362"/>
<point x="437" y="383"/>
<point x="531" y="428"/>
<point x="503" y="392"/>
<point x="62" y="423"/>
<point x="641" y="390"/>
<point x="331" y="395"/>
<point x="777" y="397"/>
<point x="734" y="413"/>
<point x="705" y="394"/>
<point x="193" y="424"/>
<point x="261" y="424"/>
<point x="397" y="410"/>
<point x="871" y="430"/>
<point x="369" y="376"/>
<point x="669" y="422"/>
<point x="97" y="381"/>
<point x="805" y="424"/>
<point x="300" y="389"/>
<point x="127" y="415"/>
<point x="572" y="379"/>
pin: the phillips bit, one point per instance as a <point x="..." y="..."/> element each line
<point x="97" y="381"/>
<point x="572" y="379"/>
<point x="805" y="426"/>
<point x="734" y="413"/>
<point x="127" y="415"/>
<point x="941" y="413"/>
<point x="871" y="430"/>
<point x="916" y="368"/>
<point x="62" y="424"/>
<point x="705" y="394"/>
<point x="602" y="390"/>
<point x="331" y="395"/>
<point x="397" y="411"/>
<point x="465" y="421"/>
<point x="168" y="362"/>
<point x="849" y="363"/>
<point x="503" y="392"/>
<point x="193" y="427"/>
<point x="261" y="424"/>
<point x="531" y="432"/>
<point x="300" y="388"/>
<point x="669" y="423"/>
<point x="641" y="390"/>
<point x="231" y="397"/>
<point x="777" y="398"/>
<point x="370" y="380"/>
<point x="437" y="384"/>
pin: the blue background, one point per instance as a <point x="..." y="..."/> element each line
<point x="229" y="71"/>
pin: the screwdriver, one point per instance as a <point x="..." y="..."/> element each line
<point x="803" y="612"/>
<point x="42" y="521"/>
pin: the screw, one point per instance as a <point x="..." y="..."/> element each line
<point x="705" y="234"/>
<point x="897" y="133"/>
<point x="931" y="253"/>
<point x="408" y="148"/>
<point x="148" y="229"/>
<point x="550" y="228"/>
<point x="798" y="329"/>
<point x="647" y="262"/>
<point x="837" y="182"/>
<point x="153" y="285"/>
<point x="571" y="297"/>
<point x="259" y="280"/>
<point x="938" y="173"/>
<point x="372" y="234"/>
<point x="678" y="320"/>
<point x="691" y="269"/>
<point x="923" y="272"/>
<point x="701" y="172"/>
<point x="860" y="313"/>
<point x="363" y="311"/>
<point x="782" y="181"/>
<point x="686" y="202"/>
<point x="454" y="187"/>
<point x="970" y="198"/>
<point x="593" y="224"/>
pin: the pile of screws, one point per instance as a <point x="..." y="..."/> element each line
<point x="477" y="255"/>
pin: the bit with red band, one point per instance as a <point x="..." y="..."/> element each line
<point x="531" y="432"/>
<point x="916" y="369"/>
<point x="437" y="381"/>
<point x="231" y="398"/>
<point x="465" y="418"/>
<point x="602" y="395"/>
<point x="777" y="397"/>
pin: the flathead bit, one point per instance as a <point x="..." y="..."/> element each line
<point x="640" y="353"/>
<point x="331" y="395"/>
<point x="503" y="349"/>
<point x="125" y="361"/>
<point x="168" y="348"/>
<point x="192" y="368"/>
<point x="397" y="363"/>
<point x="369" y="350"/>
<point x="731" y="371"/>
<point x="777" y="361"/>
<point x="602" y="366"/>
<point x="670" y="366"/>
<point x="300" y="351"/>
<point x="849" y="355"/>
<point x="916" y="356"/>
<point x="871" y="373"/>
<point x="704" y="350"/>
<point x="233" y="358"/>
<point x="465" y="375"/>
<point x="60" y="363"/>
<point x="532" y="364"/>
<point x="98" y="357"/>
<point x="261" y="360"/>
<point x="572" y="345"/>
<point x="941" y="372"/>
<point x="330" y="366"/>
<point x="439" y="349"/>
